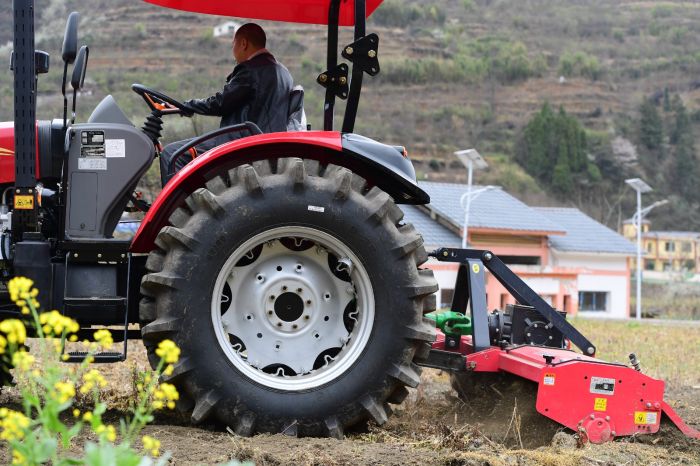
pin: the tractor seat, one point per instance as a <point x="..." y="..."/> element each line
<point x="296" y="114"/>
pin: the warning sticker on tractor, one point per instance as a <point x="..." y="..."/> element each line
<point x="115" y="148"/>
<point x="92" y="163"/>
<point x="645" y="418"/>
<point x="475" y="268"/>
<point x="600" y="404"/>
<point x="602" y="386"/>
<point x="549" y="379"/>
<point x="24" y="202"/>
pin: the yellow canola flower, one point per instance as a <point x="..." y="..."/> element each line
<point x="13" y="424"/>
<point x="55" y="323"/>
<point x="168" y="351"/>
<point x="15" y="331"/>
<point x="20" y="288"/>
<point x="104" y="338"/>
<point x="18" y="458"/>
<point x="110" y="433"/>
<point x="65" y="390"/>
<point x="22" y="360"/>
<point x="92" y="379"/>
<point x="165" y="395"/>
<point x="151" y="445"/>
<point x="87" y="417"/>
<point x="3" y="344"/>
<point x="76" y="413"/>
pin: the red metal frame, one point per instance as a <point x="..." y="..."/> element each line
<point x="597" y="399"/>
<point x="309" y="144"/>
<point x="7" y="159"/>
<point x="291" y="11"/>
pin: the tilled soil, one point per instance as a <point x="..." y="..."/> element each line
<point x="433" y="427"/>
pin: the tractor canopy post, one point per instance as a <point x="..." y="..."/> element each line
<point x="332" y="62"/>
<point x="24" y="217"/>
<point x="357" y="71"/>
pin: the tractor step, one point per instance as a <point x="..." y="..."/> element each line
<point x="94" y="302"/>
<point x="118" y="334"/>
<point x="105" y="357"/>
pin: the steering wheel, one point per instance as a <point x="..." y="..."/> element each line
<point x="159" y="102"/>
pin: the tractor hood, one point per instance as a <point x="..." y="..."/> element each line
<point x="290" y="11"/>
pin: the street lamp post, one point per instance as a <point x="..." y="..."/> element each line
<point x="471" y="159"/>
<point x="641" y="187"/>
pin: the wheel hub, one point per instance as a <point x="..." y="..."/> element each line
<point x="288" y="319"/>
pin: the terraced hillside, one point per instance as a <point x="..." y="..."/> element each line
<point x="456" y="74"/>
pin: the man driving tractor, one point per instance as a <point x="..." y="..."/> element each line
<point x="257" y="90"/>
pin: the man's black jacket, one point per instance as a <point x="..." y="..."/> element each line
<point x="258" y="90"/>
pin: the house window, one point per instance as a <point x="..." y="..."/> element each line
<point x="593" y="301"/>
<point x="446" y="296"/>
<point x="669" y="246"/>
<point x="650" y="247"/>
<point x="686" y="246"/>
<point x="649" y="264"/>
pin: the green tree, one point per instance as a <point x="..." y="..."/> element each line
<point x="553" y="149"/>
<point x="651" y="131"/>
<point x="681" y="123"/>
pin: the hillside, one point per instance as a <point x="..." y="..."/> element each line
<point x="456" y="74"/>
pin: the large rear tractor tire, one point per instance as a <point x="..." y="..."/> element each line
<point x="295" y="295"/>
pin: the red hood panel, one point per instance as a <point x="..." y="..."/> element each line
<point x="7" y="152"/>
<point x="289" y="11"/>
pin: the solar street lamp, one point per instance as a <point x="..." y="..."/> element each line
<point x="471" y="159"/>
<point x="640" y="187"/>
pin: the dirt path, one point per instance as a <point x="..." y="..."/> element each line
<point x="432" y="427"/>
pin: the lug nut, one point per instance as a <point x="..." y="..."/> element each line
<point x="372" y="53"/>
<point x="348" y="50"/>
<point x="299" y="290"/>
<point x="295" y="326"/>
<point x="323" y="78"/>
<point x="306" y="317"/>
<point x="270" y="313"/>
<point x="279" y="324"/>
<point x="343" y="80"/>
<point x="308" y="302"/>
<point x="284" y="288"/>
<point x="272" y="298"/>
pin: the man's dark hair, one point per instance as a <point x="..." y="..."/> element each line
<point x="254" y="33"/>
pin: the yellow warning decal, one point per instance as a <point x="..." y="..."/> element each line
<point x="549" y="379"/>
<point x="645" y="418"/>
<point x="24" y="202"/>
<point x="476" y="268"/>
<point x="601" y="404"/>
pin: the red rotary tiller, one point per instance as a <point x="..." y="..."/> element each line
<point x="597" y="399"/>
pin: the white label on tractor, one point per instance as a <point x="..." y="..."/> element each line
<point x="314" y="208"/>
<point x="602" y="386"/>
<point x="115" y="148"/>
<point x="92" y="163"/>
<point x="549" y="379"/>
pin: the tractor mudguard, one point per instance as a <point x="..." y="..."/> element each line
<point x="384" y="166"/>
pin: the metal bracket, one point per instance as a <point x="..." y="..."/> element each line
<point x="364" y="53"/>
<point x="335" y="80"/>
<point x="445" y="360"/>
<point x="468" y="258"/>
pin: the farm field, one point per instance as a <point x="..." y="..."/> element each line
<point x="434" y="427"/>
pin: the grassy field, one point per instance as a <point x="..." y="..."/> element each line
<point x="666" y="350"/>
<point x="434" y="427"/>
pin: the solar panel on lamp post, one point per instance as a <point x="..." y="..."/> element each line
<point x="640" y="187"/>
<point x="471" y="159"/>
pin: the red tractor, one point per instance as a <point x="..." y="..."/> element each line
<point x="278" y="263"/>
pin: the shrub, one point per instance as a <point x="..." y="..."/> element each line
<point x="580" y="64"/>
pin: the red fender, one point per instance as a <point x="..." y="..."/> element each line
<point x="309" y="144"/>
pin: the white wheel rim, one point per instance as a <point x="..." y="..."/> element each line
<point x="280" y="319"/>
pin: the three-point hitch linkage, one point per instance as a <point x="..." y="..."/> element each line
<point x="597" y="399"/>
